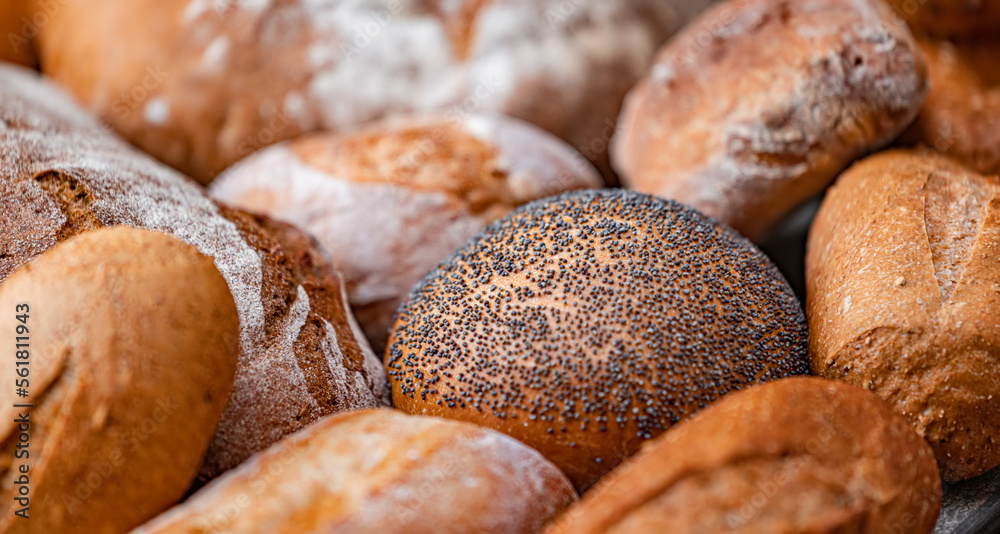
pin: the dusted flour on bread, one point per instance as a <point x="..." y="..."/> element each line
<point x="62" y="174"/>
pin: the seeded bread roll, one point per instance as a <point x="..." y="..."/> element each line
<point x="201" y="83"/>
<point x="586" y="323"/>
<point x="796" y="455"/>
<point x="759" y="104"/>
<point x="392" y="200"/>
<point x="951" y="18"/>
<point x="903" y="284"/>
<point x="18" y="31"/>
<point x="130" y="343"/>
<point x="961" y="116"/>
<point x="301" y="354"/>
<point x="380" y="471"/>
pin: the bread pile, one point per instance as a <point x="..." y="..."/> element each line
<point x="188" y="321"/>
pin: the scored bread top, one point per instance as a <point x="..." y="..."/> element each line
<point x="62" y="174"/>
<point x="585" y="323"/>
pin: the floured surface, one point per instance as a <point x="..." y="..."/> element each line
<point x="381" y="471"/>
<point x="757" y="105"/>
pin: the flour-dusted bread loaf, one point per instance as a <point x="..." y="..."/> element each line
<point x="18" y="30"/>
<point x="961" y="116"/>
<point x="903" y="288"/>
<point x="126" y="346"/>
<point x="586" y="323"/>
<point x="792" y="456"/>
<point x="380" y="471"/>
<point x="393" y="199"/>
<point x="202" y="83"/>
<point x="301" y="354"/>
<point x="758" y="104"/>
<point x="951" y="18"/>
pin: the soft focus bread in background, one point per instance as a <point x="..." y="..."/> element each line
<point x="18" y="32"/>
<point x="301" y="354"/>
<point x="903" y="284"/>
<point x="757" y="105"/>
<point x="951" y="18"/>
<point x="131" y="341"/>
<point x="586" y="323"/>
<point x="200" y="84"/>
<point x="393" y="199"/>
<point x="380" y="471"/>
<point x="796" y="455"/>
<point x="961" y="116"/>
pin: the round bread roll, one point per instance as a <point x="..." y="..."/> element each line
<point x="796" y="455"/>
<point x="759" y="104"/>
<point x="18" y="31"/>
<point x="961" y="116"/>
<point x="589" y="322"/>
<point x="392" y="200"/>
<point x="951" y="18"/>
<point x="202" y="83"/>
<point x="903" y="284"/>
<point x="302" y="356"/>
<point x="129" y="341"/>
<point x="380" y="471"/>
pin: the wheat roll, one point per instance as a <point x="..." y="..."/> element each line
<point x="903" y="284"/>
<point x="132" y="341"/>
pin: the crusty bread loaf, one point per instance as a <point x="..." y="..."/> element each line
<point x="380" y="471"/>
<point x="758" y="104"/>
<point x="200" y="83"/>
<point x="951" y="18"/>
<point x="393" y="199"/>
<point x="130" y="348"/>
<point x="961" y="116"/>
<point x="796" y="455"/>
<point x="18" y="32"/>
<point x="903" y="284"/>
<point x="301" y="355"/>
<point x="586" y="323"/>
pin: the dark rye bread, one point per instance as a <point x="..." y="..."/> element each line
<point x="302" y="355"/>
<point x="801" y="455"/>
<point x="586" y="323"/>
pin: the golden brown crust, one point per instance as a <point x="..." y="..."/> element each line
<point x="380" y="471"/>
<point x="202" y="84"/>
<point x="18" y="31"/>
<point x="61" y="175"/>
<point x="961" y="116"/>
<point x="757" y="105"/>
<point x="903" y="284"/>
<point x="391" y="200"/>
<point x="133" y="348"/>
<point x="796" y="455"/>
<point x="950" y="18"/>
<point x="586" y="323"/>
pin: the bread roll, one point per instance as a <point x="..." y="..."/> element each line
<point x="200" y="83"/>
<point x="961" y="116"/>
<point x="903" y="284"/>
<point x="130" y="348"/>
<point x="392" y="200"/>
<point x="380" y="471"/>
<point x="796" y="455"/>
<point x="18" y="31"/>
<point x="951" y="18"/>
<point x="301" y="354"/>
<point x="586" y="323"/>
<point x="759" y="104"/>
